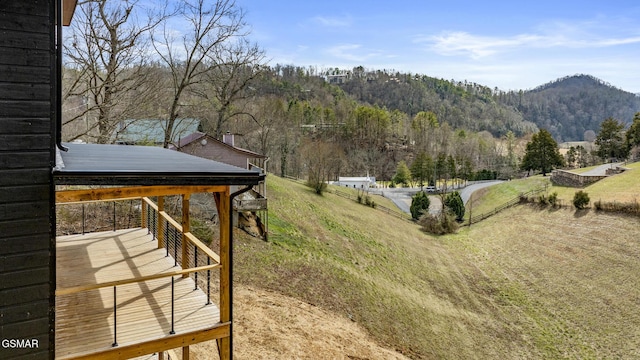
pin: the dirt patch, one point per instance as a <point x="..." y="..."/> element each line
<point x="268" y="325"/>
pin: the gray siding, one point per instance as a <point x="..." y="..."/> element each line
<point x="27" y="252"/>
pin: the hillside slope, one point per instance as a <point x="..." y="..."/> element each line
<point x="504" y="287"/>
<point x="572" y="105"/>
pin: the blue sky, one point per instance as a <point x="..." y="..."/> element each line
<point x="511" y="44"/>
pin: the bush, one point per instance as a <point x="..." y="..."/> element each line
<point x="553" y="199"/>
<point x="419" y="204"/>
<point x="317" y="185"/>
<point x="542" y="199"/>
<point x="454" y="202"/>
<point x="369" y="201"/>
<point x="631" y="208"/>
<point x="438" y="225"/>
<point x="580" y="200"/>
<point x="545" y="200"/>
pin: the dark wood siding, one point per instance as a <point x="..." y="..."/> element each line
<point x="27" y="249"/>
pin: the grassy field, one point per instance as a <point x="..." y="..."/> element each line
<point x="623" y="187"/>
<point x="523" y="284"/>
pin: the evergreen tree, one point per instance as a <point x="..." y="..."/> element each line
<point x="419" y="205"/>
<point x="422" y="168"/>
<point x="403" y="175"/>
<point x="542" y="153"/>
<point x="633" y="134"/>
<point x="610" y="140"/>
<point x="454" y="203"/>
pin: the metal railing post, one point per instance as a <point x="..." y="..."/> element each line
<point x="115" y="320"/>
<point x="195" y="264"/>
<point x="148" y="218"/>
<point x="167" y="239"/>
<point x="175" y="247"/>
<point x="172" y="306"/>
<point x="208" y="282"/>
<point x="82" y="218"/>
<point x="114" y="216"/>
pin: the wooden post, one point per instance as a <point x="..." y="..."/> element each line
<point x="161" y="230"/>
<point x="185" y="229"/>
<point x="143" y="215"/>
<point x="185" y="353"/>
<point x="224" y="208"/>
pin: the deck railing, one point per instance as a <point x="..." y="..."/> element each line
<point x="188" y="251"/>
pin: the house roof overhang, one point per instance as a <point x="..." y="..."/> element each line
<point x="68" y="7"/>
<point x="123" y="165"/>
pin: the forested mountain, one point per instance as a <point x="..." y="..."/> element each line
<point x="572" y="106"/>
<point x="567" y="107"/>
<point x="462" y="105"/>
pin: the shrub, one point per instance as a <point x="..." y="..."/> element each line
<point x="369" y="201"/>
<point x="419" y="204"/>
<point x="542" y="199"/>
<point x="553" y="199"/>
<point x="454" y="203"/>
<point x="598" y="205"/>
<point x="438" y="225"/>
<point x="580" y="200"/>
<point x="317" y="185"/>
<point x="631" y="208"/>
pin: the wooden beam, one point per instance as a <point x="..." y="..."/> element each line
<point x="143" y="214"/>
<point x="161" y="229"/>
<point x="65" y="196"/>
<point x="76" y="289"/>
<point x="224" y="209"/>
<point x="68" y="7"/>
<point x="223" y="330"/>
<point x="204" y="248"/>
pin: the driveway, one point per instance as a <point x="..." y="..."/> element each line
<point x="600" y="170"/>
<point x="401" y="197"/>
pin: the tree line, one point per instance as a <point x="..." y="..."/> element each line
<point x="126" y="63"/>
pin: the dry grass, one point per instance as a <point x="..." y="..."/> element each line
<point x="624" y="187"/>
<point x="569" y="276"/>
<point x="523" y="284"/>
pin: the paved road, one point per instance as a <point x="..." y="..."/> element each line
<point x="465" y="193"/>
<point x="600" y="170"/>
<point x="402" y="196"/>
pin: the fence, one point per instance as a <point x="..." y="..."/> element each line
<point x="385" y="209"/>
<point x="349" y="196"/>
<point x="508" y="204"/>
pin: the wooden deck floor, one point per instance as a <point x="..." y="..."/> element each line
<point x="84" y="321"/>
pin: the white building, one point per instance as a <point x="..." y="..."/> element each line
<point x="364" y="183"/>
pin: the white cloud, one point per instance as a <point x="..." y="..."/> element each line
<point x="352" y="52"/>
<point x="476" y="46"/>
<point x="333" y="21"/>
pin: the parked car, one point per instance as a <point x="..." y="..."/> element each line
<point x="432" y="189"/>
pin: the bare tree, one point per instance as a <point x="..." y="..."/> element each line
<point x="106" y="61"/>
<point x="232" y="69"/>
<point x="212" y="42"/>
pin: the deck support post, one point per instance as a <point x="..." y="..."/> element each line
<point x="143" y="213"/>
<point x="161" y="229"/>
<point x="185" y="229"/>
<point x="185" y="353"/>
<point x="224" y="215"/>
